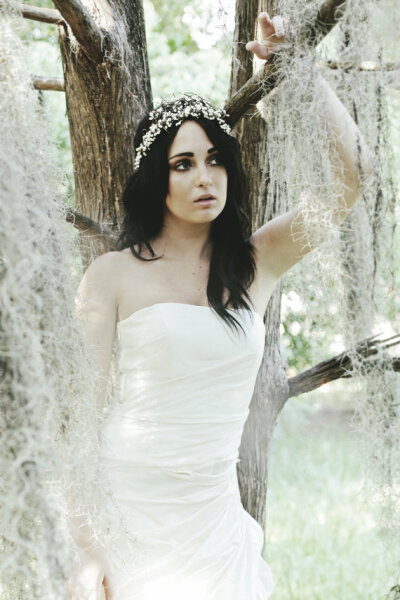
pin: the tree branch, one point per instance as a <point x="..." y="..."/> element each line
<point x="328" y="15"/>
<point x="342" y="365"/>
<point x="82" y="25"/>
<point x="265" y="80"/>
<point x="44" y="15"/>
<point x="87" y="225"/>
<point x="364" y="65"/>
<point x="57" y="84"/>
<point x="48" y="83"/>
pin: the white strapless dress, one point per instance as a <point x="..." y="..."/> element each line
<point x="170" y="448"/>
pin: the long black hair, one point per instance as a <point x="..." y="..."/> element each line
<point x="232" y="263"/>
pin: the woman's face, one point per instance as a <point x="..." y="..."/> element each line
<point x="195" y="170"/>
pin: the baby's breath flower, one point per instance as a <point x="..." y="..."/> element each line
<point x="172" y="112"/>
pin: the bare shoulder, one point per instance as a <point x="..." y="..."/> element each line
<point x="107" y="266"/>
<point x="99" y="284"/>
<point x="111" y="269"/>
<point x="106" y="261"/>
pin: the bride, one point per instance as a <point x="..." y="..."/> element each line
<point x="186" y="293"/>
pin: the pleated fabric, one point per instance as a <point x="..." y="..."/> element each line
<point x="169" y="448"/>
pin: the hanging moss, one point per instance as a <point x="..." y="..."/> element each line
<point x="351" y="263"/>
<point x="48" y="415"/>
<point x="48" y="405"/>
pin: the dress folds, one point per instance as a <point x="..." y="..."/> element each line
<point x="169" y="448"/>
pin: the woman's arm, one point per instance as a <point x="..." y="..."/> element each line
<point x="280" y="242"/>
<point x="96" y="308"/>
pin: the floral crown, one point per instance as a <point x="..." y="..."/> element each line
<point x="173" y="112"/>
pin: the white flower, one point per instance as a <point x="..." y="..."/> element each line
<point x="163" y="118"/>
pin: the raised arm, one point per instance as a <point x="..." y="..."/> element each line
<point x="280" y="242"/>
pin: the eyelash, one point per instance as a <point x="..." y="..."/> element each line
<point x="181" y="162"/>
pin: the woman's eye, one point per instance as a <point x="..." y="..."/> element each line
<point x="181" y="163"/>
<point x="217" y="159"/>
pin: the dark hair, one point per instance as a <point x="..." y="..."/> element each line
<point x="232" y="263"/>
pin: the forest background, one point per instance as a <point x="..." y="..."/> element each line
<point x="324" y="540"/>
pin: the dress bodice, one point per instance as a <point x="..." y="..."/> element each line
<point x="188" y="378"/>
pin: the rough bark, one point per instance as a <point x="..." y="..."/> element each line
<point x="84" y="28"/>
<point x="105" y="100"/>
<point x="104" y="103"/>
<point x="271" y="389"/>
<point x="265" y="79"/>
<point x="341" y="365"/>
<point x="96" y="230"/>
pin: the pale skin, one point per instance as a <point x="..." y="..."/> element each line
<point x="117" y="284"/>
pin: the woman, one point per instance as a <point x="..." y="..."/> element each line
<point x="186" y="292"/>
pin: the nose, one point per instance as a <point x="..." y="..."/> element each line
<point x="204" y="174"/>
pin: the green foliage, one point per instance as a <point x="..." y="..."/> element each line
<point x="307" y="337"/>
<point x="322" y="539"/>
<point x="171" y="27"/>
<point x="189" y="48"/>
<point x="36" y="31"/>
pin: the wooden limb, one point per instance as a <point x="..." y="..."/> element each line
<point x="342" y="366"/>
<point x="87" y="225"/>
<point x="82" y="25"/>
<point x="329" y="14"/>
<point x="261" y="84"/>
<point x="364" y="65"/>
<point x="57" y="84"/>
<point x="48" y="83"/>
<point x="265" y="80"/>
<point x="44" y="15"/>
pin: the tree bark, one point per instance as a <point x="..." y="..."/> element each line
<point x="265" y="79"/>
<point x="104" y="103"/>
<point x="106" y="99"/>
<point x="96" y="230"/>
<point x="341" y="365"/>
<point x="82" y="25"/>
<point x="271" y="388"/>
<point x="44" y="15"/>
<point x="56" y="84"/>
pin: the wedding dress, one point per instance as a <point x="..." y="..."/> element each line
<point x="170" y="448"/>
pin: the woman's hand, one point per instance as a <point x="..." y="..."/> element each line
<point x="88" y="583"/>
<point x="274" y="34"/>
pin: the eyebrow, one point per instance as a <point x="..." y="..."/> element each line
<point x="191" y="153"/>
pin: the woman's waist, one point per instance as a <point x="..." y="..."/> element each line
<point x="155" y="443"/>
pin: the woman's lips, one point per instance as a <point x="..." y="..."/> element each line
<point x="205" y="199"/>
<point x="206" y="202"/>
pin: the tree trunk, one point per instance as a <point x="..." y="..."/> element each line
<point x="271" y="388"/>
<point x="104" y="102"/>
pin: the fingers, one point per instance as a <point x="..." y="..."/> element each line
<point x="107" y="591"/>
<point x="273" y="33"/>
<point x="279" y="26"/>
<point x="270" y="27"/>
<point x="264" y="50"/>
<point x="259" y="50"/>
